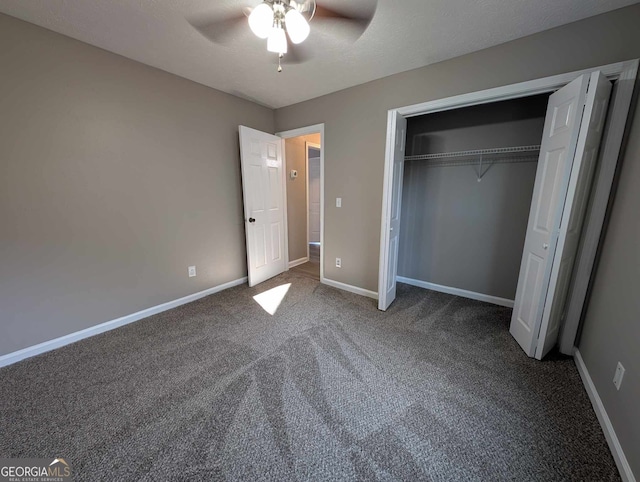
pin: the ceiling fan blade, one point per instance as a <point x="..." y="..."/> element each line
<point x="356" y="18"/>
<point x="219" y="30"/>
<point x="306" y="7"/>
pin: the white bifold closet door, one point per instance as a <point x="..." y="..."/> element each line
<point x="568" y="154"/>
<point x="391" y="220"/>
<point x="264" y="203"/>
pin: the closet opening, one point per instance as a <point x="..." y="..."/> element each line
<point x="467" y="186"/>
<point x="501" y="195"/>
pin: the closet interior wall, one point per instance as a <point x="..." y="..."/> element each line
<point x="456" y="231"/>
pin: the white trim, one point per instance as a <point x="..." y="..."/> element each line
<point x="303" y="131"/>
<point x="600" y="192"/>
<point x="298" y="262"/>
<point x="605" y="422"/>
<point x="506" y="92"/>
<point x="626" y="73"/>
<point x="285" y="178"/>
<point x="350" y="288"/>
<point x="46" y="346"/>
<point x="456" y="291"/>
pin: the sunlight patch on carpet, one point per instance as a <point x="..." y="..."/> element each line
<point x="270" y="300"/>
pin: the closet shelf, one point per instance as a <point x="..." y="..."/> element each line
<point x="498" y="154"/>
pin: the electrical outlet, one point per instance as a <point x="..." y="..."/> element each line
<point x="617" y="379"/>
<point x="338" y="263"/>
<point x="338" y="202"/>
<point x="192" y="271"/>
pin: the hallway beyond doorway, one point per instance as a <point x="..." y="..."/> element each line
<point x="312" y="267"/>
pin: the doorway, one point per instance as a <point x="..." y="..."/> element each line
<point x="623" y="74"/>
<point x="265" y="189"/>
<point x="304" y="167"/>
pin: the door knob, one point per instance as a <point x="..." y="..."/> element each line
<point x="545" y="246"/>
<point x="252" y="220"/>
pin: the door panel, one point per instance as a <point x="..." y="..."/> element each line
<point x="276" y="242"/>
<point x="314" y="200"/>
<point x="525" y="311"/>
<point x="260" y="246"/>
<point x="393" y="248"/>
<point x="391" y="218"/>
<point x="562" y="117"/>
<point x="275" y="188"/>
<point x="264" y="201"/>
<point x="552" y="167"/>
<point x="574" y="211"/>
<point x="559" y="141"/>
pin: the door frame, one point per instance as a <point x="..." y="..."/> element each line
<point x="625" y="74"/>
<point x="304" y="131"/>
<point x="312" y="145"/>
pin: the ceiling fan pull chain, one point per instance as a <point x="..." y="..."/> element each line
<point x="279" y="59"/>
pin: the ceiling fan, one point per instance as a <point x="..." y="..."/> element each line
<point x="275" y="20"/>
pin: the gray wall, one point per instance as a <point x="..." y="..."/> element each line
<point x="355" y="129"/>
<point x="456" y="231"/>
<point x="297" y="194"/>
<point x="611" y="331"/>
<point x="114" y="177"/>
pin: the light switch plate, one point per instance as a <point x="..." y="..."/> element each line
<point x="338" y="202"/>
<point x="617" y="379"/>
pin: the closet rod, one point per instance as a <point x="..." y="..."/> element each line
<point x="476" y="152"/>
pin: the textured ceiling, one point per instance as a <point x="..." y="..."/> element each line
<point x="403" y="35"/>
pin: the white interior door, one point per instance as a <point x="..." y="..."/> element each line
<point x="574" y="211"/>
<point x="567" y="120"/>
<point x="264" y="203"/>
<point x="391" y="211"/>
<point x="314" y="199"/>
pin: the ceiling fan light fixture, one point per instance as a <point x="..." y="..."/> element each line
<point x="297" y="26"/>
<point x="277" y="41"/>
<point x="261" y="20"/>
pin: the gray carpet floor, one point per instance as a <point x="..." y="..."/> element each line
<point x="328" y="388"/>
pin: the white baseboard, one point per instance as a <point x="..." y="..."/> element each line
<point x="605" y="422"/>
<point x="298" y="262"/>
<point x="456" y="291"/>
<point x="350" y="288"/>
<point x="30" y="351"/>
